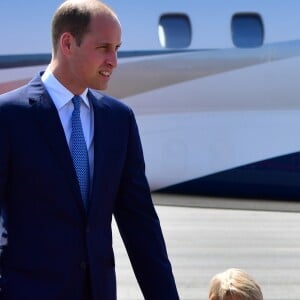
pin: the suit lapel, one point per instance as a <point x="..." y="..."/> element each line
<point x="47" y="116"/>
<point x="101" y="138"/>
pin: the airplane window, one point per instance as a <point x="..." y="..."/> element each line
<point x="174" y="31"/>
<point x="247" y="30"/>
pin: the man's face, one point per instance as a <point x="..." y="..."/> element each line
<point x="92" y="63"/>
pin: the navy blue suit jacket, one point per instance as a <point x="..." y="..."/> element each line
<point x="52" y="241"/>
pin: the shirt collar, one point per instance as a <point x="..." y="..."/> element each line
<point x="59" y="94"/>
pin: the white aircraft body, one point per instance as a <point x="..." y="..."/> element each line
<point x="215" y="88"/>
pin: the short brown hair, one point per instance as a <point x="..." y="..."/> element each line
<point x="74" y="16"/>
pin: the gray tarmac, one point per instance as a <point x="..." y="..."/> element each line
<point x="205" y="236"/>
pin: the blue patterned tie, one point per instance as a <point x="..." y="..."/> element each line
<point x="79" y="151"/>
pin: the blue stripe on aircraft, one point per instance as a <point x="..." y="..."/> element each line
<point x="279" y="50"/>
<point x="277" y="178"/>
<point x="28" y="60"/>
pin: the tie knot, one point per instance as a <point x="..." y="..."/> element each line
<point x="76" y="102"/>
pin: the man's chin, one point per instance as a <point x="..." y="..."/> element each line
<point x="98" y="87"/>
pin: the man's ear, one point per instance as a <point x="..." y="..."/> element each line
<point x="65" y="42"/>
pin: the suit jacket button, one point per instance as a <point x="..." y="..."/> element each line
<point x="83" y="265"/>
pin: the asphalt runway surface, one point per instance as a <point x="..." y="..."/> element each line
<point x="205" y="236"/>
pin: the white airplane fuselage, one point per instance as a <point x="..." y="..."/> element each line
<point x="215" y="117"/>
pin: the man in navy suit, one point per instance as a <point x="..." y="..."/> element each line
<point x="59" y="244"/>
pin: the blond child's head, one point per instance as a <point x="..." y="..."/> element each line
<point x="234" y="284"/>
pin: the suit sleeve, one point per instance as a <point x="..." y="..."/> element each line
<point x="139" y="226"/>
<point x="4" y="158"/>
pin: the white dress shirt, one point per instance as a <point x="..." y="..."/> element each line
<point x="62" y="99"/>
